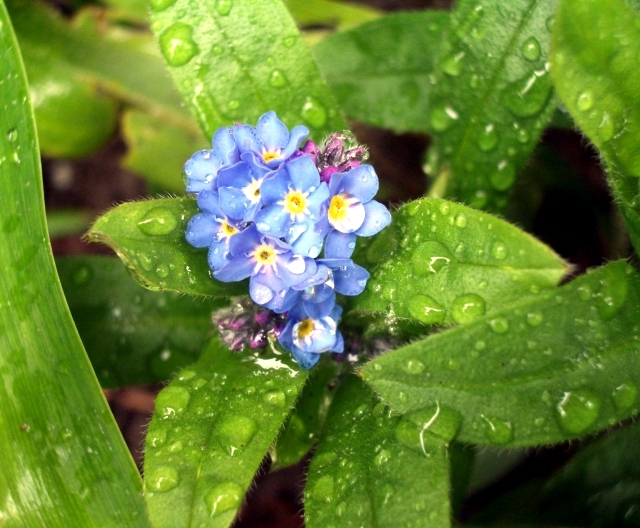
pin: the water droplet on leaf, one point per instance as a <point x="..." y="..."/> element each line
<point x="577" y="411"/>
<point x="488" y="138"/>
<point x="314" y="113"/>
<point x="452" y="65"/>
<point x="442" y="117"/>
<point x="498" y="432"/>
<point x="527" y="96"/>
<point x="177" y="44"/>
<point x="275" y="398"/>
<point x="467" y="308"/>
<point x="531" y="49"/>
<point x="157" y="222"/>
<point x="426" y="309"/>
<point x="223" y="497"/>
<point x="223" y="7"/>
<point x="235" y="432"/>
<point x="499" y="325"/>
<point x="624" y="396"/>
<point x="162" y="479"/>
<point x="171" y="401"/>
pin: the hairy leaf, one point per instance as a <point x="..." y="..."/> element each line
<point x="373" y="468"/>
<point x="233" y="61"/>
<point x="64" y="462"/>
<point x="133" y="336"/>
<point x="383" y="75"/>
<point x="211" y="429"/>
<point x="595" y="71"/>
<point x="149" y="237"/>
<point x="539" y="371"/>
<point x="491" y="98"/>
<point x="441" y="262"/>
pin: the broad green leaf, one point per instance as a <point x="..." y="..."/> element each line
<point x="376" y="469"/>
<point x="546" y="369"/>
<point x="149" y="237"/>
<point x="133" y="336"/>
<point x="341" y="15"/>
<point x="64" y="462"/>
<point x="211" y="429"/>
<point x="491" y="98"/>
<point x="595" y="70"/>
<point x="441" y="262"/>
<point x="158" y="149"/>
<point x="303" y="427"/>
<point x="233" y="61"/>
<point x="380" y="72"/>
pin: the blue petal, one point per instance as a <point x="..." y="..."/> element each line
<point x="225" y="146"/>
<point x="376" y="218"/>
<point x="275" y="188"/>
<point x="350" y="279"/>
<point x="246" y="138"/>
<point x="209" y="201"/>
<point x="309" y="243"/>
<point x="273" y="220"/>
<point x="303" y="173"/>
<point x="201" y="170"/>
<point x="336" y="183"/>
<point x="323" y="342"/>
<point x="361" y="182"/>
<point x="298" y="135"/>
<point x="316" y="200"/>
<point x="273" y="132"/>
<point x="339" y="245"/>
<point x="233" y="202"/>
<point x="286" y="338"/>
<point x="260" y="293"/>
<point x="245" y="242"/>
<point x="290" y="299"/>
<point x="201" y="230"/>
<point x="296" y="269"/>
<point x="336" y="313"/>
<point x="320" y="309"/>
<point x="236" y="269"/>
<point x="238" y="175"/>
<point x="338" y="348"/>
<point x="306" y="360"/>
<point x="256" y="163"/>
<point x="218" y="254"/>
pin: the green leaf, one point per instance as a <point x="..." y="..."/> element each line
<point x="441" y="262"/>
<point x="305" y="422"/>
<point x="596" y="74"/>
<point x="380" y="72"/>
<point x="158" y="149"/>
<point x="211" y="429"/>
<point x="149" y="237"/>
<point x="133" y="336"/>
<point x="233" y="61"/>
<point x="539" y="371"/>
<point x="64" y="462"/>
<point x="340" y="15"/>
<point x="491" y="98"/>
<point x="373" y="468"/>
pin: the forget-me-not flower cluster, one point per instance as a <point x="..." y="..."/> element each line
<point x="286" y="216"/>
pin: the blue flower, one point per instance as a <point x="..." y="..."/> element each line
<point x="272" y="266"/>
<point x="349" y="278"/>
<point x="293" y="198"/>
<point x="352" y="210"/>
<point x="212" y="229"/>
<point x="203" y="167"/>
<point x="307" y="337"/>
<point x="318" y="292"/>
<point x="240" y="190"/>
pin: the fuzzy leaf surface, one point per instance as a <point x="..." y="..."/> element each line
<point x="233" y="61"/>
<point x="64" y="462"/>
<point x="373" y="468"/>
<point x="133" y="336"/>
<point x="442" y="262"/>
<point x="383" y="73"/>
<point x="149" y="238"/>
<point x="211" y="429"/>
<point x="491" y="99"/>
<point x="596" y="74"/>
<point x="543" y="370"/>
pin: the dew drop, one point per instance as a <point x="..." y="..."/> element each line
<point x="235" y="432"/>
<point x="277" y="79"/>
<point x="162" y="479"/>
<point x="452" y="65"/>
<point x="577" y="411"/>
<point x="499" y="325"/>
<point x="585" y="101"/>
<point x="223" y="7"/>
<point x="527" y="96"/>
<point x="314" y="113"/>
<point x="430" y="257"/>
<point x="171" y="401"/>
<point x="217" y="50"/>
<point x="177" y="44"/>
<point x="534" y="318"/>
<point x="426" y="309"/>
<point x="498" y="432"/>
<point x="157" y="222"/>
<point x="461" y="220"/>
<point x="488" y="138"/>
<point x="442" y="117"/>
<point x="414" y="366"/>
<point x="624" y="396"/>
<point x="12" y="135"/>
<point x="223" y="497"/>
<point x="522" y="136"/>
<point x="341" y="508"/>
<point x="469" y="21"/>
<point x="175" y="447"/>
<point x="584" y="293"/>
<point x="289" y="41"/>
<point x="503" y="178"/>
<point x="382" y="457"/>
<point x="499" y="250"/>
<point x="612" y="293"/>
<point x="467" y="308"/>
<point x="157" y="438"/>
<point x="275" y="398"/>
<point x="531" y="49"/>
<point x="162" y="270"/>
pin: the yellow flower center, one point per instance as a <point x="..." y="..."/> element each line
<point x="337" y="208"/>
<point x="227" y="230"/>
<point x="265" y="255"/>
<point x="295" y="202"/>
<point x="269" y="155"/>
<point x="305" y="328"/>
